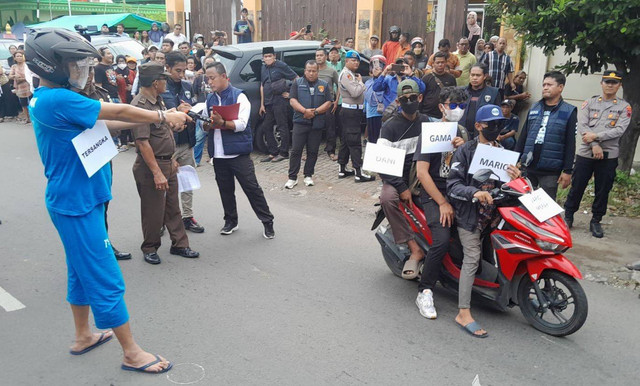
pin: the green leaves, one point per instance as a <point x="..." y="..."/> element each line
<point x="599" y="31"/>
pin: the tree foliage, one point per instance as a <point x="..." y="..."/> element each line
<point x="599" y="33"/>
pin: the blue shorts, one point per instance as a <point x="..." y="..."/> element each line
<point x="94" y="276"/>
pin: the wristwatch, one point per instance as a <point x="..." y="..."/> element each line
<point x="315" y="113"/>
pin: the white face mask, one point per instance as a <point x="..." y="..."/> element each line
<point x="122" y="66"/>
<point x="454" y="115"/>
<point x="79" y="75"/>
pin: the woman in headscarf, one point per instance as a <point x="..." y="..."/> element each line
<point x="156" y="35"/>
<point x="474" y="30"/>
<point x="479" y="49"/>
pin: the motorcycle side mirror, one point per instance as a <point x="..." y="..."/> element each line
<point x="482" y="175"/>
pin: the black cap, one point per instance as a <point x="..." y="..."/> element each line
<point x="153" y="70"/>
<point x="268" y="50"/>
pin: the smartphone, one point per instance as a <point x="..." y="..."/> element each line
<point x="397" y="68"/>
<point x="219" y="33"/>
<point x="308" y="28"/>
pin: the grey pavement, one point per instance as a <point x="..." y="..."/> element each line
<point x="316" y="305"/>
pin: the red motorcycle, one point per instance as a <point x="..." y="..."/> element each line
<point x="522" y="262"/>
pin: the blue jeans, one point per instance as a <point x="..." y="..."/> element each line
<point x="201" y="138"/>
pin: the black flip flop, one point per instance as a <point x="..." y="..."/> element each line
<point x="471" y="328"/>
<point x="100" y="341"/>
<point x="142" y="369"/>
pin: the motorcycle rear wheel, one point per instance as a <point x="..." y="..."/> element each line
<point x="562" y="293"/>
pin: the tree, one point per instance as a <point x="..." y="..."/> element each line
<point x="600" y="32"/>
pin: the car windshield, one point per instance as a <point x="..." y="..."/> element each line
<point x="4" y="51"/>
<point x="126" y="48"/>
<point x="226" y="61"/>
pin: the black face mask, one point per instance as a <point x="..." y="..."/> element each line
<point x="410" y="107"/>
<point x="492" y="131"/>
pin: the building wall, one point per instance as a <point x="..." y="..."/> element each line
<point x="210" y="15"/>
<point x="337" y="18"/>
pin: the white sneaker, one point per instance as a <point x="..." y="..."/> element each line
<point x="290" y="184"/>
<point x="424" y="301"/>
<point x="308" y="181"/>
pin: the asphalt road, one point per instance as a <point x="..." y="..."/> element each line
<point x="316" y="305"/>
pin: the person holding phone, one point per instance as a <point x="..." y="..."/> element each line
<point x="391" y="76"/>
<point x="244" y="28"/>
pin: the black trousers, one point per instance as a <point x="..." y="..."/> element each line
<point x="304" y="135"/>
<point x="350" y="144"/>
<point x="548" y="182"/>
<point x="240" y="168"/>
<point x="604" y="173"/>
<point x="439" y="247"/>
<point x="333" y="130"/>
<point x="277" y="114"/>
<point x="9" y="102"/>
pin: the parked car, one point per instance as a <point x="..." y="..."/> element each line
<point x="4" y="51"/>
<point x="119" y="45"/>
<point x="244" y="61"/>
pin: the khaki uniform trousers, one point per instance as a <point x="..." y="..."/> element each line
<point x="159" y="207"/>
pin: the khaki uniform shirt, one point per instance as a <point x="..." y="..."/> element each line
<point x="160" y="136"/>
<point x="608" y="119"/>
<point x="351" y="90"/>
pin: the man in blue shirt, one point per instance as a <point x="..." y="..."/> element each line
<point x="75" y="201"/>
<point x="244" y="27"/>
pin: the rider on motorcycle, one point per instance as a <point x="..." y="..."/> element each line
<point x="471" y="217"/>
<point x="402" y="131"/>
<point x="433" y="170"/>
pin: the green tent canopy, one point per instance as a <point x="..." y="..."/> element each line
<point x="131" y="22"/>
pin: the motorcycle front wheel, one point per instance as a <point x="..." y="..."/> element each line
<point x="564" y="309"/>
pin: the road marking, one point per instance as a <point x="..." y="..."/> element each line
<point x="8" y="302"/>
<point x="476" y="381"/>
<point x="186" y="374"/>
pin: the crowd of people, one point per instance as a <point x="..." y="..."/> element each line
<point x="407" y="86"/>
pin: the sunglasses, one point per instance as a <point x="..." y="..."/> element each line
<point x="454" y="105"/>
<point x="610" y="81"/>
<point x="498" y="124"/>
<point x="410" y="98"/>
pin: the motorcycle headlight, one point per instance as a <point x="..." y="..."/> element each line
<point x="551" y="247"/>
<point x="536" y="228"/>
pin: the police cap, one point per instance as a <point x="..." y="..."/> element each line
<point x="153" y="71"/>
<point x="612" y="75"/>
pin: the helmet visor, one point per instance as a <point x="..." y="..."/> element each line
<point x="79" y="72"/>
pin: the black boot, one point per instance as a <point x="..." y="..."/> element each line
<point x="343" y="172"/>
<point x="596" y="229"/>
<point x="568" y="218"/>
<point x="363" y="177"/>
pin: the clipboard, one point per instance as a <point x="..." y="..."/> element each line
<point x="228" y="113"/>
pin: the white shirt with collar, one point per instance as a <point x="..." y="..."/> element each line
<point x="241" y="123"/>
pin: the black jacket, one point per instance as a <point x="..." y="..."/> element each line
<point x="401" y="133"/>
<point x="461" y="187"/>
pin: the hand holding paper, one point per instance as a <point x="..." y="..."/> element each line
<point x="495" y="158"/>
<point x="437" y="137"/>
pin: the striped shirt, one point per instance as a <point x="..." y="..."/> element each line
<point x="500" y="66"/>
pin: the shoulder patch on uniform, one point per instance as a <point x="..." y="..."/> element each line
<point x="321" y="88"/>
<point x="628" y="111"/>
<point x="584" y="104"/>
<point x="349" y="77"/>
